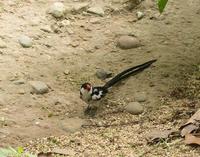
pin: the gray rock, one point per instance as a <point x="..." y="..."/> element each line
<point x="96" y="10"/>
<point x="57" y="9"/>
<point x="139" y="15"/>
<point x="128" y="42"/>
<point x="18" y="82"/>
<point x="134" y="108"/>
<point x="2" y="44"/>
<point x="140" y="97"/>
<point x="39" y="87"/>
<point x="25" y="41"/>
<point x="102" y="74"/>
<point x="72" y="124"/>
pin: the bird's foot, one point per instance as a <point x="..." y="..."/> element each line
<point x="90" y="111"/>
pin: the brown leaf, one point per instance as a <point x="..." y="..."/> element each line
<point x="156" y="135"/>
<point x="191" y="139"/>
<point x="192" y="125"/>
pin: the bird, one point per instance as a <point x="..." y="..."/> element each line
<point x="92" y="94"/>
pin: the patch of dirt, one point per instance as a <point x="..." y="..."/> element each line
<point x="81" y="48"/>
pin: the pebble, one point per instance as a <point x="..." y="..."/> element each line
<point x="95" y="20"/>
<point x="134" y="108"/>
<point x="139" y="15"/>
<point x="2" y="44"/>
<point x="72" y="124"/>
<point x="102" y="74"/>
<point x="46" y="28"/>
<point x="80" y="7"/>
<point x="21" y="91"/>
<point x="66" y="72"/>
<point x="128" y="42"/>
<point x="140" y="97"/>
<point x="19" y="82"/>
<point x="69" y="31"/>
<point x="75" y="44"/>
<point x="96" y="10"/>
<point x="64" y="23"/>
<point x="25" y="41"/>
<point x="57" y="9"/>
<point x="39" y="87"/>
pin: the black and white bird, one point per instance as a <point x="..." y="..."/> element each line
<point x="90" y="94"/>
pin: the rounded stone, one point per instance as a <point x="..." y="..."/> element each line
<point x="57" y="9"/>
<point x="128" y="42"/>
<point x="140" y="15"/>
<point x="39" y="87"/>
<point x="102" y="74"/>
<point x="140" y="97"/>
<point x="25" y="41"/>
<point x="134" y="108"/>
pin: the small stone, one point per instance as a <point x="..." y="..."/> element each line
<point x="69" y="31"/>
<point x="21" y="91"/>
<point x="55" y="29"/>
<point x="65" y="23"/>
<point x="57" y="9"/>
<point x="128" y="42"/>
<point x="72" y="124"/>
<point x="96" y="10"/>
<point x="100" y="124"/>
<point x="46" y="28"/>
<point x="25" y="41"/>
<point x="39" y="87"/>
<point x="75" y="44"/>
<point x="80" y="7"/>
<point x="37" y="123"/>
<point x="95" y="20"/>
<point x="102" y="74"/>
<point x="19" y="82"/>
<point x="134" y="108"/>
<point x="67" y="72"/>
<point x="140" y="97"/>
<point x="2" y="44"/>
<point x="140" y="15"/>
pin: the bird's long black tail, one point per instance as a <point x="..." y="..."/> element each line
<point x="128" y="72"/>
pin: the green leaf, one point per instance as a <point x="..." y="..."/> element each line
<point x="161" y="5"/>
<point x="20" y="150"/>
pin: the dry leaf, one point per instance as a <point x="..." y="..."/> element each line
<point x="191" y="139"/>
<point x="192" y="125"/>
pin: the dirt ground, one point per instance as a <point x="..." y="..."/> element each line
<point x="81" y="48"/>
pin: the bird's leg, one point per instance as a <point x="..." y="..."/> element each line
<point x="91" y="110"/>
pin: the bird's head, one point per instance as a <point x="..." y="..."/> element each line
<point x="86" y="91"/>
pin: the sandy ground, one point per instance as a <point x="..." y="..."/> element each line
<point x="81" y="48"/>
